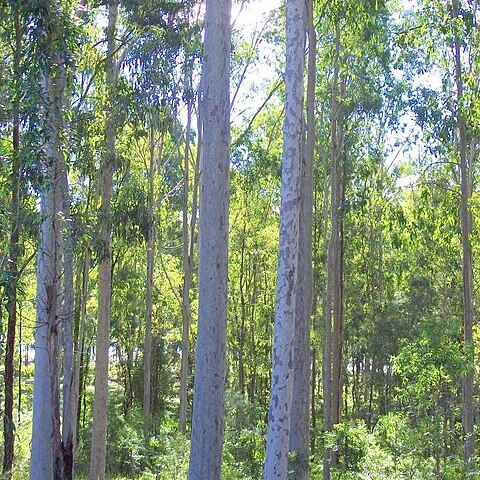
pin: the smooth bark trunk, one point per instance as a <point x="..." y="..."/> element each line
<point x="299" y="423"/>
<point x="208" y="403"/>
<point x="331" y="304"/>
<point x="467" y="270"/>
<point x="276" y="461"/>
<point x="46" y="459"/>
<point x="100" y="400"/>
<point x="188" y="252"/>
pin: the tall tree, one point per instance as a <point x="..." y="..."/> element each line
<point x="100" y="402"/>
<point x="47" y="452"/>
<point x="208" y="401"/>
<point x="276" y="462"/>
<point x="8" y="424"/>
<point x="299" y="423"/>
<point x="188" y="232"/>
<point x="466" y="223"/>
<point x="147" y="360"/>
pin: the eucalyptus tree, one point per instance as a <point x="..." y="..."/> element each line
<point x="17" y="39"/>
<point x="300" y="416"/>
<point x="466" y="167"/>
<point x="54" y="284"/>
<point x="276" y="462"/>
<point x="100" y="400"/>
<point x="208" y="403"/>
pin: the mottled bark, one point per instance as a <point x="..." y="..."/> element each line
<point x="46" y="461"/>
<point x="100" y="400"/>
<point x="208" y="402"/>
<point x="299" y="423"/>
<point x="276" y="461"/>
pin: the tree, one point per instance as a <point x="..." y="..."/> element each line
<point x="8" y="424"/>
<point x="276" y="462"/>
<point x="53" y="288"/>
<point x="466" y="222"/>
<point x="208" y="402"/>
<point x="100" y="401"/>
<point x="300" y="416"/>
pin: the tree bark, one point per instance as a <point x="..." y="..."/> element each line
<point x="299" y="423"/>
<point x="8" y="424"/>
<point x="276" y="462"/>
<point x="188" y="245"/>
<point x="332" y="295"/>
<point x="147" y="359"/>
<point x="208" y="402"/>
<point x="46" y="452"/>
<point x="100" y="400"/>
<point x="467" y="270"/>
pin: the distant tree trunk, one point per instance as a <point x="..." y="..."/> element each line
<point x="67" y="314"/>
<point x="466" y="169"/>
<point x="276" y="461"/>
<point x="8" y="424"/>
<point x="188" y="251"/>
<point x="100" y="400"/>
<point x="81" y="338"/>
<point x="332" y="290"/>
<point x="208" y="403"/>
<point x="299" y="422"/>
<point x="147" y="359"/>
<point x="338" y="260"/>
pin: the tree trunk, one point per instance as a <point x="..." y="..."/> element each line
<point x="8" y="424"/>
<point x="299" y="422"/>
<point x="100" y="400"/>
<point x="188" y="246"/>
<point x="466" y="231"/>
<point x="276" y="461"/>
<point x="67" y="319"/>
<point x="147" y="359"/>
<point x="332" y="295"/>
<point x="208" y="403"/>
<point x="46" y="452"/>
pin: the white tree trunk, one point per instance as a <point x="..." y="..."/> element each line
<point x="299" y="423"/>
<point x="46" y="452"/>
<point x="276" y="462"/>
<point x="208" y="403"/>
<point x="100" y="401"/>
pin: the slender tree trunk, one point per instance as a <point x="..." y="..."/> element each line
<point x="81" y="339"/>
<point x="188" y="244"/>
<point x="147" y="359"/>
<point x="332" y="295"/>
<point x="67" y="320"/>
<point x="100" y="400"/>
<point x="299" y="422"/>
<point x="8" y="424"/>
<point x="338" y="262"/>
<point x="276" y="462"/>
<point x="208" y="403"/>
<point x="466" y="230"/>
